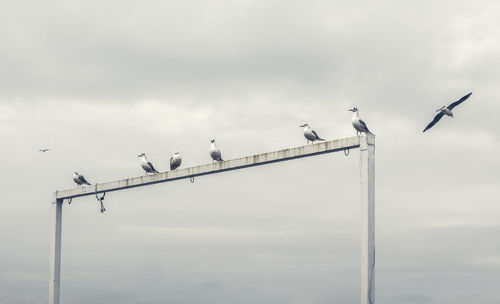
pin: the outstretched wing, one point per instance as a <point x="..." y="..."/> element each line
<point x="434" y="121"/>
<point x="456" y="103"/>
<point x="83" y="180"/>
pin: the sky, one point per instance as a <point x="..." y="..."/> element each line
<point x="99" y="82"/>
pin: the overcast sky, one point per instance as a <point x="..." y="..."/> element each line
<point x="98" y="82"/>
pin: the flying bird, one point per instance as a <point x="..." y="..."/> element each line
<point x="358" y="123"/>
<point x="79" y="179"/>
<point x="175" y="161"/>
<point x="310" y="134"/>
<point x="214" y="151"/>
<point x="43" y="150"/>
<point x="446" y="110"/>
<point x="146" y="165"/>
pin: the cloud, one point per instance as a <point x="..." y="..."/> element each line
<point x="99" y="83"/>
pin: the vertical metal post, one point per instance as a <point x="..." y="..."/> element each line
<point x="367" y="168"/>
<point x="55" y="252"/>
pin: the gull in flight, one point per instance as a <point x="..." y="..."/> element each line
<point x="79" y="179"/>
<point x="446" y="110"/>
<point x="358" y="123"/>
<point x="146" y="165"/>
<point x="175" y="161"/>
<point x="43" y="150"/>
<point x="214" y="151"/>
<point x="310" y="134"/>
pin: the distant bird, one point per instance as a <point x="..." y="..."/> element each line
<point x="214" y="151"/>
<point x="446" y="110"/>
<point x="146" y="165"/>
<point x="43" y="150"/>
<point x="310" y="134"/>
<point x="358" y="123"/>
<point x="79" y="179"/>
<point x="175" y="161"/>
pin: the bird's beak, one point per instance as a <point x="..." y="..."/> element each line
<point x="352" y="110"/>
<point x="302" y="126"/>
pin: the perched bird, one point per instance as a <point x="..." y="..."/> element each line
<point x="310" y="134"/>
<point x="79" y="179"/>
<point x="446" y="110"/>
<point x="214" y="151"/>
<point x="43" y="150"/>
<point x="358" y="123"/>
<point x="146" y="165"/>
<point x="175" y="161"/>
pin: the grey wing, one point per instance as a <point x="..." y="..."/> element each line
<point x="316" y="135"/>
<point x="83" y="180"/>
<point x="219" y="156"/>
<point x="434" y="121"/>
<point x="362" y="123"/>
<point x="152" y="168"/>
<point x="173" y="164"/>
<point x="456" y="103"/>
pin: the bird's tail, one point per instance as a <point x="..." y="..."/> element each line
<point x="321" y="139"/>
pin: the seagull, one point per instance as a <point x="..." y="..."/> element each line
<point x="146" y="165"/>
<point x="79" y="179"/>
<point x="214" y="151"/>
<point x="43" y="150"/>
<point x="358" y="123"/>
<point x="310" y="134"/>
<point x="175" y="161"/>
<point x="446" y="110"/>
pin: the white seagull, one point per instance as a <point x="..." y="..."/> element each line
<point x="358" y="123"/>
<point x="146" y="165"/>
<point x="310" y="134"/>
<point x="175" y="161"/>
<point x="446" y="110"/>
<point x="214" y="151"/>
<point x="79" y="179"/>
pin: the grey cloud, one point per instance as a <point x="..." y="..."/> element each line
<point x="99" y="83"/>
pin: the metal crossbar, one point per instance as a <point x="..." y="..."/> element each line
<point x="233" y="164"/>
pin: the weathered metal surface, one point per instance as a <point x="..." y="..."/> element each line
<point x="233" y="164"/>
<point x="55" y="252"/>
<point x="367" y="176"/>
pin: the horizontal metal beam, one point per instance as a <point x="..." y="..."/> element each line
<point x="233" y="164"/>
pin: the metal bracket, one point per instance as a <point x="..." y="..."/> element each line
<point x="100" y="199"/>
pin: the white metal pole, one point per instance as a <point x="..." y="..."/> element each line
<point x="367" y="172"/>
<point x="55" y="252"/>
